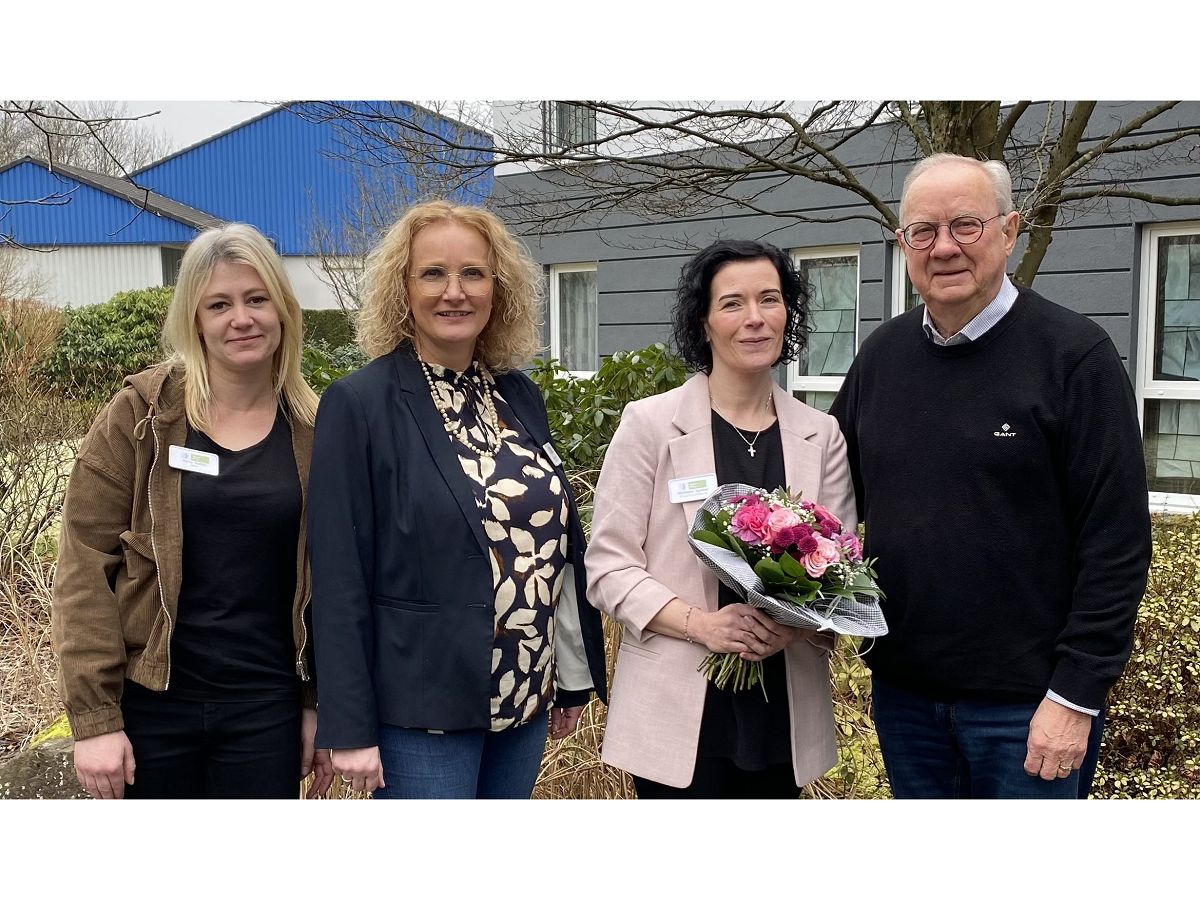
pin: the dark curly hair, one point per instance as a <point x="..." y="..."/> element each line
<point x="692" y="300"/>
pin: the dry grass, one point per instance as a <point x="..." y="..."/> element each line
<point x="28" y="330"/>
<point x="28" y="669"/>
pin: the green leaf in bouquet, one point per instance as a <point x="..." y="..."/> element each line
<point x="771" y="572"/>
<point x="709" y="537"/>
<point x="740" y="549"/>
<point x="792" y="566"/>
<point x="706" y="520"/>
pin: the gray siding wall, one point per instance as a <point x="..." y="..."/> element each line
<point x="1092" y="265"/>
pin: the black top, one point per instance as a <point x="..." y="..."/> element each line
<point x="233" y="631"/>
<point x="1004" y="493"/>
<point x="743" y="727"/>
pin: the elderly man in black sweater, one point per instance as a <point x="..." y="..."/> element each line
<point x="994" y="443"/>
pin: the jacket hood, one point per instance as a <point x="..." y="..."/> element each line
<point x="160" y="387"/>
<point x="149" y="382"/>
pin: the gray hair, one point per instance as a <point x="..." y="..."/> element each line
<point x="996" y="171"/>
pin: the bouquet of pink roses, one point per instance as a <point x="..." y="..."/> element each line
<point x="790" y="558"/>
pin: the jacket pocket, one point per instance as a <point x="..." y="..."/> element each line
<point x="139" y="554"/>
<point x="637" y="650"/>
<point x="419" y="606"/>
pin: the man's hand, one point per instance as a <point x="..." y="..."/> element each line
<point x="1058" y="738"/>
<point x="104" y="765"/>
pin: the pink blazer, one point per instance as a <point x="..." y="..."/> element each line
<point x="638" y="559"/>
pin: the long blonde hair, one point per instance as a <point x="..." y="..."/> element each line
<point x="240" y="244"/>
<point x="511" y="337"/>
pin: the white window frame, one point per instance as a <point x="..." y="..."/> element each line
<point x="826" y="383"/>
<point x="899" y="281"/>
<point x="1146" y="386"/>
<point x="555" y="316"/>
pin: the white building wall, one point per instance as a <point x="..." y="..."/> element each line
<point x="312" y="290"/>
<point x="84" y="275"/>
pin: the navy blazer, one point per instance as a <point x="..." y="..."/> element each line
<point x="402" y="597"/>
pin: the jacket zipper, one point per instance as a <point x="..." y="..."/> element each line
<point x="154" y="547"/>
<point x="301" y="668"/>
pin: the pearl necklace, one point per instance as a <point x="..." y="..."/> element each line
<point x="749" y="444"/>
<point x="458" y="429"/>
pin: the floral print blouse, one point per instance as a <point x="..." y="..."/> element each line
<point x="524" y="511"/>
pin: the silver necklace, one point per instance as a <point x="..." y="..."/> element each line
<point x="459" y="429"/>
<point x="749" y="444"/>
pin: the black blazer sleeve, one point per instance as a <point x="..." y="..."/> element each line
<point x="341" y="549"/>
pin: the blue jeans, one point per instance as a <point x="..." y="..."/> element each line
<point x="461" y="765"/>
<point x="966" y="749"/>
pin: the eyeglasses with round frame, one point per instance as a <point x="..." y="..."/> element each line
<point x="432" y="281"/>
<point x="964" y="229"/>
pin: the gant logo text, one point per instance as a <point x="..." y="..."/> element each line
<point x="1004" y="432"/>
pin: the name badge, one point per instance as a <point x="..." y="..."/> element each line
<point x="193" y="460"/>
<point x="548" y="449"/>
<point x="698" y="487"/>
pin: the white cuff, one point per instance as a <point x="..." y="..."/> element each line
<point x="1062" y="701"/>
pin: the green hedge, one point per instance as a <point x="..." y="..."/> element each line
<point x="584" y="412"/>
<point x="331" y="327"/>
<point x="1152" y="737"/>
<point x="100" y="344"/>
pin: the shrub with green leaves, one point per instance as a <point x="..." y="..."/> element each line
<point x="100" y="344"/>
<point x="1152" y="737"/>
<point x="322" y="365"/>
<point x="331" y="327"/>
<point x="584" y="412"/>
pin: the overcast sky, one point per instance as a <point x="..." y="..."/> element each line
<point x="185" y="122"/>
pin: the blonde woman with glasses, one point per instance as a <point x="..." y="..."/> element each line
<point x="180" y="606"/>
<point x="448" y="586"/>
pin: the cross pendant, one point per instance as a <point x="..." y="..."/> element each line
<point x="750" y="450"/>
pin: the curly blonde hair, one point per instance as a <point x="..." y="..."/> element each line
<point x="511" y="337"/>
<point x="241" y="244"/>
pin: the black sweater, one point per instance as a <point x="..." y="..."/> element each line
<point x="1004" y="493"/>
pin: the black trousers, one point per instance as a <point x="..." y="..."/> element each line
<point x="186" y="749"/>
<point x="720" y="779"/>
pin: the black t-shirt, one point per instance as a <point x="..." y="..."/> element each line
<point x="744" y="727"/>
<point x="233" y="632"/>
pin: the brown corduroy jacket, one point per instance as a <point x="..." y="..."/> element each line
<point x="120" y="557"/>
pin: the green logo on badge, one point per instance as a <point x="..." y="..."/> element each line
<point x="200" y="459"/>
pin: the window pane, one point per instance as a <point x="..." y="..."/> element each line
<point x="172" y="258"/>
<point x="578" y="321"/>
<point x="821" y="400"/>
<point x="1172" y="443"/>
<point x="911" y="298"/>
<point x="1177" y="343"/>
<point x="574" y="125"/>
<point x="832" y="312"/>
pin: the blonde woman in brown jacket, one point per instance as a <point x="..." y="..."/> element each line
<point x="181" y="595"/>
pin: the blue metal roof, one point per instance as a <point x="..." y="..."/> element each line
<point x="300" y="172"/>
<point x="64" y="207"/>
